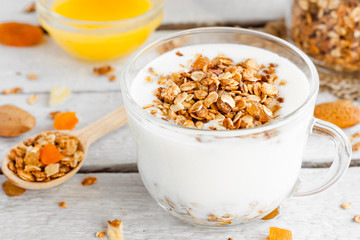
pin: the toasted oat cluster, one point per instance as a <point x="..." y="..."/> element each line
<point x="230" y="95"/>
<point x="328" y="31"/>
<point x="32" y="163"/>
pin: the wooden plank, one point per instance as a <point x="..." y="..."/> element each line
<point x="36" y="214"/>
<point x="118" y="149"/>
<point x="195" y="12"/>
<point x="55" y="67"/>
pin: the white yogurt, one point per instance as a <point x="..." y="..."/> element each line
<point x="294" y="92"/>
<point x="199" y="177"/>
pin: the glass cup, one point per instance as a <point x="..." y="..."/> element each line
<point x="220" y="178"/>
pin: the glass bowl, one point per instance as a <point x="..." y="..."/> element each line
<point x="99" y="40"/>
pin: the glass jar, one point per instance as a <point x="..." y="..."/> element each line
<point x="328" y="31"/>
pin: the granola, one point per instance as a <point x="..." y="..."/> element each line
<point x="33" y="99"/>
<point x="63" y="204"/>
<point x="26" y="161"/>
<point x="346" y="205"/>
<point x="103" y="70"/>
<point x="100" y="235"/>
<point x="114" y="230"/>
<point x="89" y="181"/>
<point x="12" y="90"/>
<point x="328" y="31"/>
<point x="230" y="95"/>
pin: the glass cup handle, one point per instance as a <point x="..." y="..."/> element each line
<point x="341" y="160"/>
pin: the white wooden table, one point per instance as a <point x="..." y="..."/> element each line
<point x="119" y="192"/>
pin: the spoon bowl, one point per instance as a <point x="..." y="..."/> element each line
<point x="86" y="137"/>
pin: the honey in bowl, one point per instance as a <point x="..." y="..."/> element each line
<point x="100" y="30"/>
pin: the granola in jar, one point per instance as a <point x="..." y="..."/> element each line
<point x="328" y="31"/>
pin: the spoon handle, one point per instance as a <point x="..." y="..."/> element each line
<point x="103" y="126"/>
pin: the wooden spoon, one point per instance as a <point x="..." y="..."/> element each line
<point x="86" y="136"/>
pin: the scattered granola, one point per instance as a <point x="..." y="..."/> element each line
<point x="346" y="205"/>
<point x="30" y="8"/>
<point x="32" y="163"/>
<point x="170" y="45"/>
<point x="328" y="31"/>
<point x="58" y="95"/>
<point x="233" y="95"/>
<point x="32" y="76"/>
<point x="114" y="230"/>
<point x="54" y="114"/>
<point x="103" y="70"/>
<point x="33" y="99"/>
<point x="100" y="235"/>
<point x="356" y="147"/>
<point x="12" y="90"/>
<point x="63" y="204"/>
<point x="178" y="53"/>
<point x="357" y="219"/>
<point x="356" y="135"/>
<point x="12" y="190"/>
<point x="15" y="121"/>
<point x="112" y="78"/>
<point x="89" y="181"/>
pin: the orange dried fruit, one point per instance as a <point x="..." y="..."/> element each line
<point x="279" y="234"/>
<point x="20" y="34"/>
<point x="50" y="154"/>
<point x="65" y="121"/>
<point x="271" y="215"/>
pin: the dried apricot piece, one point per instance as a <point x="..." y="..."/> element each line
<point x="279" y="234"/>
<point x="50" y="154"/>
<point x="20" y="34"/>
<point x="65" y="121"/>
<point x="271" y="215"/>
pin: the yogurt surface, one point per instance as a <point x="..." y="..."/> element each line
<point x="294" y="92"/>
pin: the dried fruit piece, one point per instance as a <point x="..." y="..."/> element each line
<point x="342" y="113"/>
<point x="65" y="121"/>
<point x="63" y="204"/>
<point x="89" y="181"/>
<point x="50" y="154"/>
<point x="273" y="214"/>
<point x="12" y="190"/>
<point x="112" y="78"/>
<point x="58" y="95"/>
<point x="279" y="234"/>
<point x="114" y="230"/>
<point x="20" y="34"/>
<point x="15" y="121"/>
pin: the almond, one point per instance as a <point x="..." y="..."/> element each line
<point x="342" y="113"/>
<point x="15" y="121"/>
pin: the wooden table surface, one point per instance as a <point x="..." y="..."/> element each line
<point x="119" y="192"/>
